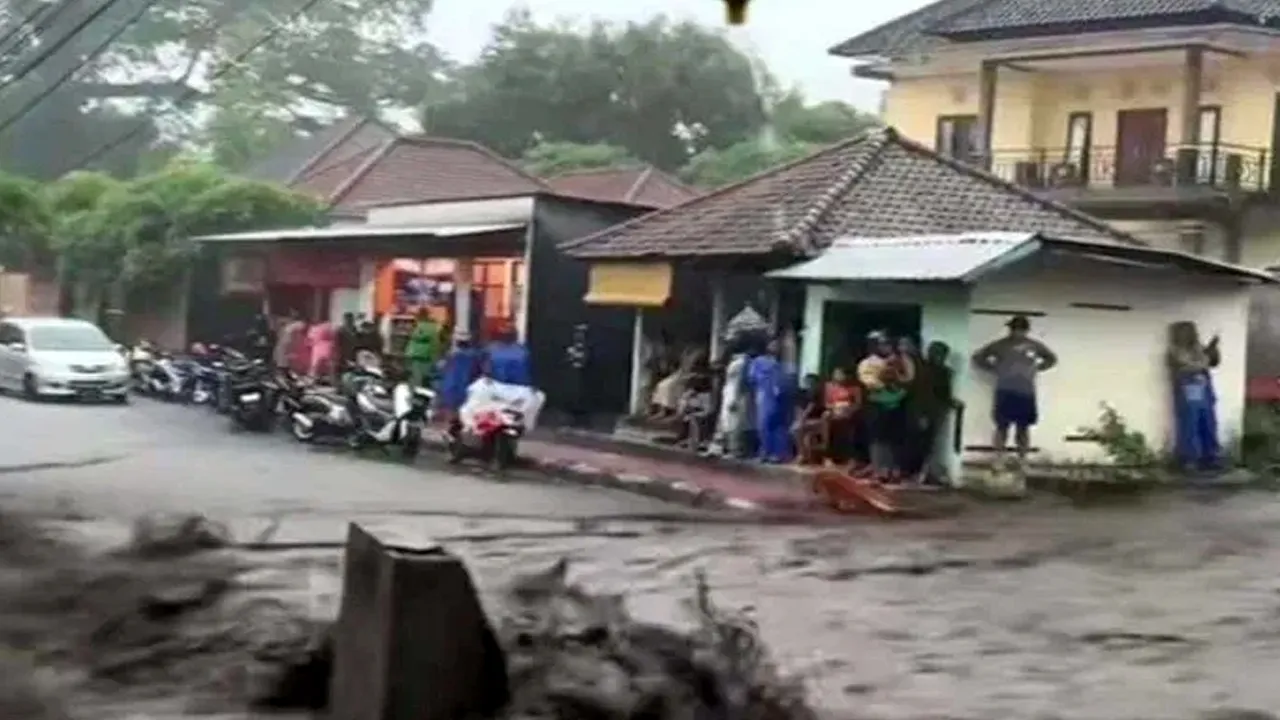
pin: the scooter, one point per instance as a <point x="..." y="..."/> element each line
<point x="491" y="422"/>
<point x="253" y="398"/>
<point x="372" y="416"/>
<point x="168" y="377"/>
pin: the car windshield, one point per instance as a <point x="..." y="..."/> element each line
<point x="82" y="338"/>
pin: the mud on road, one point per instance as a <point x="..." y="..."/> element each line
<point x="1165" y="609"/>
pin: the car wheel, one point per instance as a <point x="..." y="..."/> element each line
<point x="121" y="399"/>
<point x="29" y="389"/>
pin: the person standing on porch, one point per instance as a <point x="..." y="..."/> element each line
<point x="422" y="351"/>
<point x="1194" y="400"/>
<point x="734" y="418"/>
<point x="885" y="375"/>
<point x="768" y="378"/>
<point x="1016" y="360"/>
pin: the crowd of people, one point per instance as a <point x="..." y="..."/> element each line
<point x="434" y="355"/>
<point x="881" y="414"/>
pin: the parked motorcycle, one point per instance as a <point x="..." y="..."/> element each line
<point x="141" y="359"/>
<point x="370" y="415"/>
<point x="252" y="397"/>
<point x="168" y="377"/>
<point x="491" y="422"/>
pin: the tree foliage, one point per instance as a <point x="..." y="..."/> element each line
<point x="135" y="235"/>
<point x="662" y="90"/>
<point x="556" y="158"/>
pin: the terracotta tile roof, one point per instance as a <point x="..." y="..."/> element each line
<point x="420" y="169"/>
<point x="325" y="180"/>
<point x="975" y="19"/>
<point x="646" y="186"/>
<point x="339" y="141"/>
<point x="877" y="185"/>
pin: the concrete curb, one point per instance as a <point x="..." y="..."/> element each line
<point x="666" y="489"/>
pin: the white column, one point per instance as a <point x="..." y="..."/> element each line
<point x="719" y="316"/>
<point x="638" y="402"/>
<point x="368" y="288"/>
<point x="462" y="277"/>
<point x="521" y="299"/>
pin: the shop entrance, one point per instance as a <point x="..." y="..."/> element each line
<point x="845" y="326"/>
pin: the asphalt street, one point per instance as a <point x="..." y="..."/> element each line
<point x="1166" y="607"/>
<point x="149" y="456"/>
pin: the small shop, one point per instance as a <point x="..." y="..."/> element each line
<point x="376" y="272"/>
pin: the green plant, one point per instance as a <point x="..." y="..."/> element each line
<point x="1260" y="438"/>
<point x="1124" y="446"/>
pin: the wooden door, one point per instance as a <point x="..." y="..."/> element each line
<point x="1140" y="136"/>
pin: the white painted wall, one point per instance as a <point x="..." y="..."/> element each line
<point x="464" y="212"/>
<point x="1108" y="356"/>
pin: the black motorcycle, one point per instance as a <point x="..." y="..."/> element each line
<point x="252" y="395"/>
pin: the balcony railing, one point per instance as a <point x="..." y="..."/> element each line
<point x="1219" y="166"/>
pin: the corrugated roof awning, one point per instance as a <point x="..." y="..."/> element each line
<point x="919" y="258"/>
<point x="967" y="257"/>
<point x="629" y="284"/>
<point x="357" y="232"/>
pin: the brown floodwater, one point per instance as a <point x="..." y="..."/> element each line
<point x="1164" y="609"/>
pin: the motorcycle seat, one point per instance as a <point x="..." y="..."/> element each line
<point x="382" y="405"/>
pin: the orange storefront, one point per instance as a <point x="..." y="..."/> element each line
<point x="403" y="286"/>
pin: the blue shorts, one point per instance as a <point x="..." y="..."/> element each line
<point x="1014" y="408"/>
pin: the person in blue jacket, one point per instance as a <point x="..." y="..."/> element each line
<point x="767" y="378"/>
<point x="461" y="368"/>
<point x="509" y="359"/>
<point x="1194" y="400"/>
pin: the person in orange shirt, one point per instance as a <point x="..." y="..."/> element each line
<point x="843" y="402"/>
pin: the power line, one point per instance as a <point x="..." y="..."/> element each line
<point x="93" y="55"/>
<point x="57" y="45"/>
<point x="51" y="9"/>
<point x="192" y="92"/>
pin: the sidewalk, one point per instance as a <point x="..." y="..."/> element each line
<point x="691" y="480"/>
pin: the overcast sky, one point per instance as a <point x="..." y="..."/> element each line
<point x="793" y="42"/>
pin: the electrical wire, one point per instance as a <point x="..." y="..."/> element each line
<point x="193" y="93"/>
<point x="57" y="45"/>
<point x="31" y="104"/>
<point x="49" y="9"/>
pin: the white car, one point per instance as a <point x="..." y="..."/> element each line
<point x="61" y="357"/>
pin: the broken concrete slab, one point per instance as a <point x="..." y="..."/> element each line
<point x="412" y="641"/>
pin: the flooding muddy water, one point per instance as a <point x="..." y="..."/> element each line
<point x="1165" y="609"/>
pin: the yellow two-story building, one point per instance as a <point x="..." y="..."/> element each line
<point x="1157" y="115"/>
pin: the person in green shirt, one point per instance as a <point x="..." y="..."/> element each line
<point x="423" y="349"/>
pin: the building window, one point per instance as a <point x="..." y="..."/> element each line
<point x="1079" y="139"/>
<point x="958" y="136"/>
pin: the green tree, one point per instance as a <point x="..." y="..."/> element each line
<point x="820" y="123"/>
<point x="25" y="225"/>
<point x="662" y="90"/>
<point x="120" y="238"/>
<point x="345" y="55"/>
<point x="796" y="129"/>
<point x="555" y="158"/>
<point x="716" y="168"/>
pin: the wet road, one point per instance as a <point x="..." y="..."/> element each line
<point x="1165" y="610"/>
